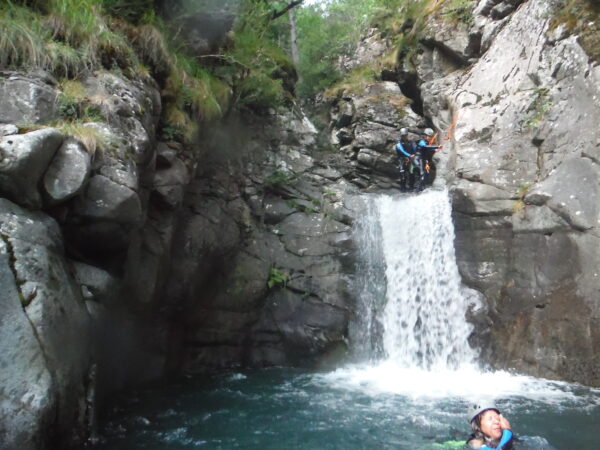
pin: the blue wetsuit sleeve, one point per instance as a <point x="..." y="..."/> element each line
<point x="400" y="149"/>
<point x="506" y="438"/>
<point x="423" y="144"/>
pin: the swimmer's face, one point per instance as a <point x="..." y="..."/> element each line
<point x="490" y="424"/>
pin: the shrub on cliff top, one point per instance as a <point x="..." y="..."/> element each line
<point x="67" y="37"/>
<point x="62" y="36"/>
<point x="581" y="17"/>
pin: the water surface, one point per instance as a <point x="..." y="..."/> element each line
<point x="352" y="408"/>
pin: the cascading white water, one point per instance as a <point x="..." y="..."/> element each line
<point x="424" y="318"/>
<point x="366" y="333"/>
<point x="411" y="329"/>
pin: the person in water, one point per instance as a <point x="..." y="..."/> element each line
<point x="491" y="430"/>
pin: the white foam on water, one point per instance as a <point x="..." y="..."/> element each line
<point x="468" y="383"/>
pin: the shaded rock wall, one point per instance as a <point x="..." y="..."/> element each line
<point x="262" y="258"/>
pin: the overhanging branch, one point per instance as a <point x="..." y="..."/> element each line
<point x="281" y="12"/>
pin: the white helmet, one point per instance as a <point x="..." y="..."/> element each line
<point x="476" y="409"/>
<point x="428" y="132"/>
<point x="403" y="132"/>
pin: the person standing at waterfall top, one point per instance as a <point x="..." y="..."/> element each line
<point x="405" y="150"/>
<point x="426" y="147"/>
<point x="491" y="430"/>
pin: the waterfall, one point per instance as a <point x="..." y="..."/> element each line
<point x="421" y="320"/>
<point x="366" y="332"/>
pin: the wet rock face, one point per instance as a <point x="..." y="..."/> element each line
<point x="51" y="311"/>
<point x="262" y="267"/>
<point x="524" y="171"/>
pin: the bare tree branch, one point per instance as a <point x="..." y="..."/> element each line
<point x="291" y="5"/>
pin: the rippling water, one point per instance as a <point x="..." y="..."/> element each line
<point x="353" y="408"/>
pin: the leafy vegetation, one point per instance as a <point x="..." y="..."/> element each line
<point x="459" y="11"/>
<point x="278" y="179"/>
<point x="69" y="37"/>
<point x="328" y="33"/>
<point x="538" y="108"/>
<point x="277" y="278"/>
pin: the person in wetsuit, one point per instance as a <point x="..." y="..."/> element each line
<point x="405" y="150"/>
<point x="427" y="149"/>
<point x="491" y="430"/>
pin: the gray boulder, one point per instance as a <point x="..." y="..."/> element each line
<point x="96" y="284"/>
<point x="24" y="159"/>
<point x="106" y="200"/>
<point x="26" y="100"/>
<point x="68" y="172"/>
<point x="8" y="129"/>
<point x="170" y="181"/>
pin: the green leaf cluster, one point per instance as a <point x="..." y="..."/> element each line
<point x="324" y="36"/>
<point x="277" y="278"/>
<point x="278" y="179"/>
<point x="259" y="72"/>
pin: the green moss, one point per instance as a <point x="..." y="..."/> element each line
<point x="277" y="278"/>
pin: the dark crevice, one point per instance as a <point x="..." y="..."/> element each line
<point x="12" y="259"/>
<point x="24" y="303"/>
<point x="409" y="86"/>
